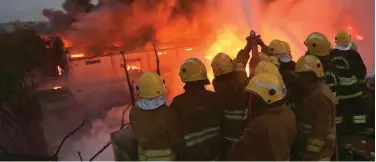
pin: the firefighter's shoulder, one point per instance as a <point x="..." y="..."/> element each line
<point x="321" y="93"/>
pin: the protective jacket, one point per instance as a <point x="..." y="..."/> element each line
<point x="267" y="137"/>
<point x="233" y="95"/>
<point x="287" y="65"/>
<point x="351" y="72"/>
<point x="157" y="133"/>
<point x="316" y="125"/>
<point x="200" y="113"/>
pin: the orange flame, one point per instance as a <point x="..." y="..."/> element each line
<point x="227" y="42"/>
<point x="162" y="53"/>
<point x="131" y="67"/>
<point x="78" y="55"/>
<point x="188" y="49"/>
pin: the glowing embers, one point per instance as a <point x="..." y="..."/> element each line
<point x="59" y="70"/>
<point x="77" y="55"/>
<point x="133" y="68"/>
<point x="134" y="65"/>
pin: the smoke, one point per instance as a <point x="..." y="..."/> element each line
<point x="294" y="20"/>
<point x="94" y="139"/>
<point x="226" y="21"/>
<point x="124" y="22"/>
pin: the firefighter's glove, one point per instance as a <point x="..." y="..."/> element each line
<point x="242" y="57"/>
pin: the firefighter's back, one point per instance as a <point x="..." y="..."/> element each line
<point x="153" y="130"/>
<point x="233" y="96"/>
<point x="200" y="117"/>
<point x="280" y="124"/>
<point x="316" y="124"/>
<point x="154" y="124"/>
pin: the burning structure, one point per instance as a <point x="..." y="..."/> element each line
<point x="95" y="33"/>
<point x="211" y="26"/>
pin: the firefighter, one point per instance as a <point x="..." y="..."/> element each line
<point x="272" y="59"/>
<point x="154" y="124"/>
<point x="265" y="67"/>
<point x="351" y="73"/>
<point x="233" y="96"/>
<point x="315" y="113"/>
<point x="281" y="50"/>
<point x="200" y="112"/>
<point x="318" y="45"/>
<point x="270" y="135"/>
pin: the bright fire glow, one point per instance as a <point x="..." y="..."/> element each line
<point x="227" y="42"/>
<point x="162" y="53"/>
<point x="60" y="70"/>
<point x="77" y="55"/>
<point x="359" y="37"/>
<point x="131" y="67"/>
<point x="188" y="49"/>
<point x="57" y="87"/>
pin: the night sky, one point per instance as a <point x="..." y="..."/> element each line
<point x="25" y="10"/>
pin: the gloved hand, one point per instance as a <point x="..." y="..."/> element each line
<point x="242" y="57"/>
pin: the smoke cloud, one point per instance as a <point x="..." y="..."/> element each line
<point x="122" y="22"/>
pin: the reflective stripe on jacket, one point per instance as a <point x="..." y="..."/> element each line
<point x="316" y="124"/>
<point x="351" y="71"/>
<point x="157" y="133"/>
<point x="267" y="137"/>
<point x="200" y="113"/>
<point x="359" y="119"/>
<point x="198" y="137"/>
<point x="230" y="89"/>
<point x="332" y="81"/>
<point x="156" y="155"/>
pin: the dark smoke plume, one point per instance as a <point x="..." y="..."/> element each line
<point x="129" y="23"/>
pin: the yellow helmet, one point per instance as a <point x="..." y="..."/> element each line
<point x="263" y="56"/>
<point x="277" y="47"/>
<point x="343" y="38"/>
<point x="193" y="70"/>
<point x="274" y="60"/>
<point x="265" y="66"/>
<point x="318" y="44"/>
<point x="287" y="45"/>
<point x="354" y="46"/>
<point x="268" y="86"/>
<point x="151" y="85"/>
<point x="222" y="64"/>
<point x="310" y="63"/>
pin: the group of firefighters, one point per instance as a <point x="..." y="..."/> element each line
<point x="282" y="111"/>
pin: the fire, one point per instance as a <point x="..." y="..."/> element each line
<point x="188" y="49"/>
<point x="162" y="53"/>
<point x="228" y="42"/>
<point x="77" y="55"/>
<point x="131" y="67"/>
<point x="354" y="32"/>
<point x="60" y="70"/>
<point x="359" y="37"/>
